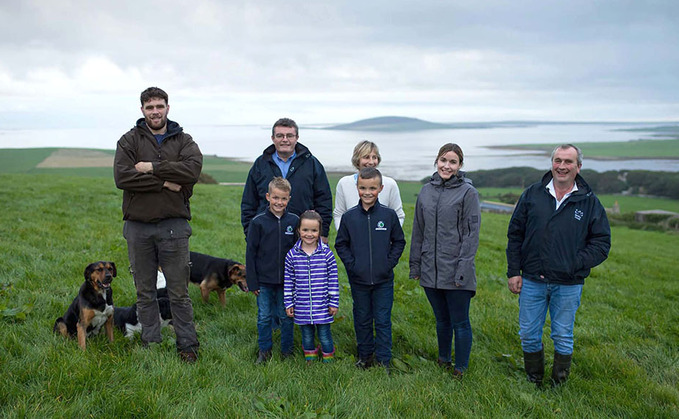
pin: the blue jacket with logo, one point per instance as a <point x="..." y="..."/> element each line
<point x="310" y="187"/>
<point x="369" y="243"/>
<point x="269" y="240"/>
<point x="559" y="246"/>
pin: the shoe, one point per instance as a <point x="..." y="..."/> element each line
<point x="386" y="365"/>
<point x="365" y="362"/>
<point x="561" y="368"/>
<point x="286" y="355"/>
<point x="188" y="356"/>
<point x="457" y="374"/>
<point x="447" y="365"/>
<point x="263" y="357"/>
<point x="534" y="362"/>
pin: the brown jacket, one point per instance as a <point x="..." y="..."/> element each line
<point x="178" y="159"/>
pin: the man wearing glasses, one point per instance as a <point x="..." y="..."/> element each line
<point x="293" y="161"/>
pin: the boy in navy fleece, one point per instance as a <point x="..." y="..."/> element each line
<point x="270" y="236"/>
<point x="369" y="243"/>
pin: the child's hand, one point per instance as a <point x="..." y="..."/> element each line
<point x="255" y="292"/>
<point x="290" y="311"/>
<point x="332" y="310"/>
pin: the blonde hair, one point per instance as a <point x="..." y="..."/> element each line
<point x="280" y="184"/>
<point x="363" y="149"/>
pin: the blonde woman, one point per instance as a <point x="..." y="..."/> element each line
<point x="366" y="154"/>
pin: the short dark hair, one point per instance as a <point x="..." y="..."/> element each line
<point x="370" y="173"/>
<point x="448" y="147"/>
<point x="285" y="122"/>
<point x="153" y="93"/>
<point x="310" y="215"/>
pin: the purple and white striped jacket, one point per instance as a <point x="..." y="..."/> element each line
<point x="311" y="284"/>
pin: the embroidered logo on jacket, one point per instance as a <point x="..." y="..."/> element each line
<point x="380" y="226"/>
<point x="289" y="231"/>
<point x="578" y="214"/>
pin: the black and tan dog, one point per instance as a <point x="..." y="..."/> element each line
<point x="126" y="319"/>
<point x="216" y="274"/>
<point x="92" y="308"/>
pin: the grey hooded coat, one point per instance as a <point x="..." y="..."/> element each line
<point x="446" y="234"/>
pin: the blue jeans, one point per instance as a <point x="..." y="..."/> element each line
<point x="451" y="309"/>
<point x="324" y="336"/>
<point x="561" y="300"/>
<point x="270" y="306"/>
<point x="372" y="305"/>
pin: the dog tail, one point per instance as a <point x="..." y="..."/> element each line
<point x="60" y="327"/>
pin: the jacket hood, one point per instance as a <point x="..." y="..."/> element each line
<point x="455" y="181"/>
<point x="173" y="128"/>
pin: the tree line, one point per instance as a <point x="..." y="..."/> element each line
<point x="634" y="182"/>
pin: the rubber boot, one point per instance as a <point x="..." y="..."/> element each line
<point x="561" y="369"/>
<point x="311" y="356"/>
<point x="534" y="362"/>
<point x="328" y="357"/>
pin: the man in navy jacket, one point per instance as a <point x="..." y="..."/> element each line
<point x="292" y="161"/>
<point x="558" y="232"/>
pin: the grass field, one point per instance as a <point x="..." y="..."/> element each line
<point x="626" y="361"/>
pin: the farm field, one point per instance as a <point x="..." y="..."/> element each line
<point x="626" y="361"/>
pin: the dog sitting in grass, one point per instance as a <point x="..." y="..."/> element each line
<point x="92" y="308"/>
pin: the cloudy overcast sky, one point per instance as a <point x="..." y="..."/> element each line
<point x="83" y="63"/>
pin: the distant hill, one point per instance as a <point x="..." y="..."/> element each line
<point x="401" y="123"/>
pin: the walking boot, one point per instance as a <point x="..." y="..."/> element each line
<point x="263" y="357"/>
<point x="534" y="362"/>
<point x="561" y="368"/>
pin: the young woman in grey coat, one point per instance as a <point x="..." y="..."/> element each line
<point x="442" y="250"/>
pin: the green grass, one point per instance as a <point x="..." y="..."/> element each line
<point x="626" y="361"/>
<point x="637" y="149"/>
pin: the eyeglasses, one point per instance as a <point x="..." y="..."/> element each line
<point x="289" y="136"/>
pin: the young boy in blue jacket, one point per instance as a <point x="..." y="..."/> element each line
<point x="270" y="236"/>
<point x="369" y="242"/>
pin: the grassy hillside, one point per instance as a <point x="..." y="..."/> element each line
<point x="625" y="364"/>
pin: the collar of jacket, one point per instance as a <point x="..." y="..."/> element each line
<point x="173" y="128"/>
<point x="298" y="247"/>
<point x="301" y="150"/>
<point x="371" y="209"/>
<point x="583" y="188"/>
<point x="454" y="182"/>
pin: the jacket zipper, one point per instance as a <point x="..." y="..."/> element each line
<point x="370" y="252"/>
<point x="278" y="255"/>
<point x="436" y="240"/>
<point x="311" y="301"/>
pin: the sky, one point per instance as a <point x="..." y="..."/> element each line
<point x="83" y="63"/>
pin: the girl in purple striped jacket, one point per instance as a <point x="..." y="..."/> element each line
<point x="311" y="288"/>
